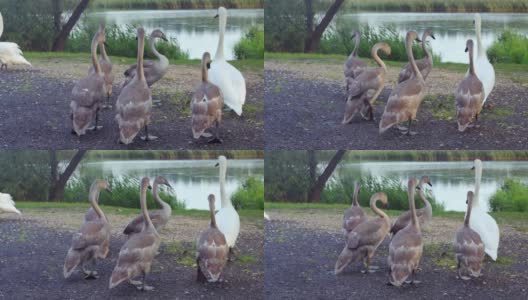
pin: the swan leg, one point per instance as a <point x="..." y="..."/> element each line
<point x="148" y="137"/>
<point x="233" y="253"/>
<point x="135" y="282"/>
<point x="413" y="278"/>
<point x="216" y="139"/>
<point x="200" y="275"/>
<point x="90" y="274"/>
<point x="409" y="132"/>
<point x="144" y="286"/>
<point x="96" y="127"/>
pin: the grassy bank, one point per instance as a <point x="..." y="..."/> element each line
<point x="500" y="217"/>
<point x="173" y="155"/>
<point x="510" y="47"/>
<point x="518" y="73"/>
<point x="512" y="196"/>
<point x="441" y="5"/>
<point x="247" y="214"/>
<point x="175" y="4"/>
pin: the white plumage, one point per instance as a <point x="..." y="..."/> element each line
<point x="227" y="217"/>
<point x="10" y="53"/>
<point x="481" y="221"/>
<point x="483" y="68"/>
<point x="224" y="75"/>
<point x="7" y="204"/>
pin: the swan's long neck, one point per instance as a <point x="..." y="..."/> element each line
<point x="424" y="48"/>
<point x="204" y="72"/>
<point x="225" y="202"/>
<point x="103" y="52"/>
<point x="376" y="210"/>
<point x="481" y="51"/>
<point x="220" y="50"/>
<point x="152" y="44"/>
<point x="143" y="203"/>
<point x="155" y="192"/>
<point x="376" y="58"/>
<point x="94" y="198"/>
<point x="468" y="214"/>
<point x="1" y="25"/>
<point x="95" y="61"/>
<point x="421" y="193"/>
<point x="410" y="56"/>
<point x="356" y="44"/>
<point x="414" y="218"/>
<point x="141" y="50"/>
<point x="471" y="63"/>
<point x="478" y="178"/>
<point x="212" y="213"/>
<point x="355" y="200"/>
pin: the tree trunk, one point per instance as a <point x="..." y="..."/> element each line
<point x="315" y="191"/>
<point x="60" y="40"/>
<point x="309" y="16"/>
<point x="57" y="15"/>
<point x="312" y="164"/>
<point x="313" y="38"/>
<point x="58" y="182"/>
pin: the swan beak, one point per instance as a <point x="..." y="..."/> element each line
<point x="208" y="65"/>
<point x="109" y="190"/>
<point x="217" y="17"/>
<point x="418" y="40"/>
<point x="217" y="164"/>
<point x="473" y="22"/>
<point x="150" y="187"/>
<point x="418" y="188"/>
<point x="466" y="49"/>
<point x="433" y="37"/>
<point x="473" y="168"/>
<point x="170" y="186"/>
<point x="430" y="184"/>
<point x="165" y="39"/>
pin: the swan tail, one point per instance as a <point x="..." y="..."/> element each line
<point x="73" y="259"/>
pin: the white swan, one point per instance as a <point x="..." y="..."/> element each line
<point x="483" y="68"/>
<point x="481" y="221"/>
<point x="7" y="204"/>
<point x="224" y="75"/>
<point x="10" y="53"/>
<point x="227" y="217"/>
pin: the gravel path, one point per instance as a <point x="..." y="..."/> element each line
<point x="299" y="263"/>
<point x="35" y="111"/>
<point x="34" y="247"/>
<point x="305" y="102"/>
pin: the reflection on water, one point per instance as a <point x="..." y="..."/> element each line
<point x="196" y="30"/>
<point x="451" y="29"/>
<point x="192" y="180"/>
<point x="451" y="180"/>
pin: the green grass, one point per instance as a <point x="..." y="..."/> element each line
<point x="175" y="4"/>
<point x="250" y="65"/>
<point x="512" y="196"/>
<point x="246" y="215"/>
<point x="510" y="47"/>
<point x="250" y="194"/>
<point x="501" y="217"/>
<point x="441" y="5"/>
<point x="251" y="46"/>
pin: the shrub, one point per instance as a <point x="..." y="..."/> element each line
<point x="338" y="40"/>
<point x="125" y="193"/>
<point x="121" y="42"/>
<point x="249" y="195"/>
<point x="511" y="47"/>
<point x="342" y="189"/>
<point x="512" y="196"/>
<point x="252" y="45"/>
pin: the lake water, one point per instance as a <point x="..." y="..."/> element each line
<point x="196" y="30"/>
<point x="450" y="29"/>
<point x="192" y="180"/>
<point x="451" y="180"/>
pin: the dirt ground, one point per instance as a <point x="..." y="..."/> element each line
<point x="301" y="248"/>
<point x="33" y="248"/>
<point x="305" y="105"/>
<point x="35" y="107"/>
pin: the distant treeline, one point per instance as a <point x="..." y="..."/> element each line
<point x="440" y="5"/>
<point x="175" y="4"/>
<point x="436" y="155"/>
<point x="172" y="154"/>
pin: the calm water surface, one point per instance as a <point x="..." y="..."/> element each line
<point x="196" y="30"/>
<point x="451" y="180"/>
<point x="451" y="29"/>
<point x="192" y="180"/>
